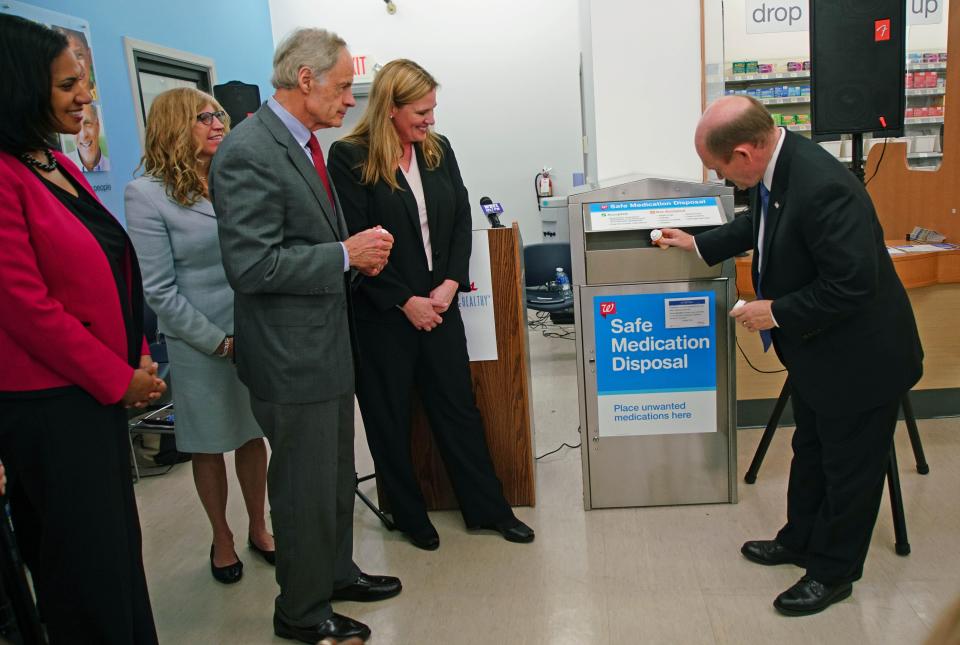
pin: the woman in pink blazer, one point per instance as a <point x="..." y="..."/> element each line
<point x="72" y="357"/>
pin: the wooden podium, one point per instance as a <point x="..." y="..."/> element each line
<point x="502" y="390"/>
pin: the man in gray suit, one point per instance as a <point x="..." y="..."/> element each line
<point x="288" y="256"/>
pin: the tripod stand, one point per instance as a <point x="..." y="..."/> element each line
<point x="902" y="545"/>
<point x="373" y="507"/>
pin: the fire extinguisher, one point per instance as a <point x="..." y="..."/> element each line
<point x="543" y="185"/>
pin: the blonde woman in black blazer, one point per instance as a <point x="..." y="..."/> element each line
<point x="394" y="171"/>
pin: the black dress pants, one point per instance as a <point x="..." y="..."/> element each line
<point x="836" y="484"/>
<point x="394" y="358"/>
<point x="75" y="517"/>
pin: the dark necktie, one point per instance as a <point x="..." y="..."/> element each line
<point x="765" y="335"/>
<point x="319" y="164"/>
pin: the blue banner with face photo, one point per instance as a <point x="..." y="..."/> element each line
<point x="656" y="363"/>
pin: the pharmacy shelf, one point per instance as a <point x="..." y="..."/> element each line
<point x="924" y="91"/>
<point x="786" y="100"/>
<point x="753" y="78"/>
<point x="803" y="127"/>
<point x="926" y="67"/>
<point x="922" y="120"/>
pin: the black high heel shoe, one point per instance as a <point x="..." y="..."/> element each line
<point x="269" y="556"/>
<point x="228" y="574"/>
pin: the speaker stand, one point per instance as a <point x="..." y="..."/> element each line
<point x="901" y="543"/>
<point x="387" y="523"/>
<point x="856" y="164"/>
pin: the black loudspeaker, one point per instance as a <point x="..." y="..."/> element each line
<point x="858" y="63"/>
<point x="239" y="99"/>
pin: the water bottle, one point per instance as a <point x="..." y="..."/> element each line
<point x="563" y="283"/>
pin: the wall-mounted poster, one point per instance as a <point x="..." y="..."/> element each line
<point x="88" y="149"/>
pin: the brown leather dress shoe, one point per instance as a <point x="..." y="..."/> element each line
<point x="337" y="627"/>
<point x="367" y="588"/>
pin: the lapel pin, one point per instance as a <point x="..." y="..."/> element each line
<point x="776" y="204"/>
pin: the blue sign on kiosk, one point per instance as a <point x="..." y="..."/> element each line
<point x="656" y="363"/>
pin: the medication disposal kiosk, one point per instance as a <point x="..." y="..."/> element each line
<point x="655" y="347"/>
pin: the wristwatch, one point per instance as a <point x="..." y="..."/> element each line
<point x="227" y="346"/>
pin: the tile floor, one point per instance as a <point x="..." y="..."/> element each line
<point x="646" y="575"/>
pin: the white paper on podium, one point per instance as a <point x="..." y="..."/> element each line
<point x="476" y="306"/>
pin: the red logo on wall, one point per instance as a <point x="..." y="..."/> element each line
<point x="608" y="308"/>
<point x="881" y="30"/>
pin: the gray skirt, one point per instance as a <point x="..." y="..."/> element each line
<point x="211" y="405"/>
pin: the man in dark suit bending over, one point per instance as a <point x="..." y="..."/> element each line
<point x="289" y="258"/>
<point x="831" y="304"/>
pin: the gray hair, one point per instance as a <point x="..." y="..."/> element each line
<point x="317" y="49"/>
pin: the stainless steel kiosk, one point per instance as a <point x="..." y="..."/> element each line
<point x="655" y="347"/>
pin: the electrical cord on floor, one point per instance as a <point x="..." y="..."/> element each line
<point x="563" y="334"/>
<point x="543" y="323"/>
<point x="562" y="446"/>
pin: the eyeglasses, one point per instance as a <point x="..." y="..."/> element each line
<point x="206" y="118"/>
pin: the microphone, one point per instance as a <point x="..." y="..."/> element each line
<point x="492" y="210"/>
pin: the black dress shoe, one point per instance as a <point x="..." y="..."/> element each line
<point x="367" y="588"/>
<point x="269" y="556"/>
<point x="771" y="552"/>
<point x="809" y="597"/>
<point x="427" y="539"/>
<point x="228" y="574"/>
<point x="337" y="626"/>
<point x="512" y="530"/>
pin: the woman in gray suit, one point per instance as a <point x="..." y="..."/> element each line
<point x="174" y="229"/>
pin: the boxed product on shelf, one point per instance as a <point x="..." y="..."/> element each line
<point x="908" y="81"/>
<point x="739" y="67"/>
<point x="914" y="57"/>
<point x="801" y="119"/>
<point x="788" y="119"/>
<point x="931" y="58"/>
<point x="921" y="111"/>
<point x="793" y="90"/>
<point x="793" y="66"/>
<point x="833" y="147"/>
<point x="765" y="68"/>
<point x="767" y="93"/>
<point x="804" y="90"/>
<point x="806" y="66"/>
<point x="909" y="113"/>
<point x="936" y="110"/>
<point x="925" y="143"/>
<point x="777" y="118"/>
<point x="931" y="80"/>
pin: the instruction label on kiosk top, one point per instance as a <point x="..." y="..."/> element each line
<point x="680" y="212"/>
<point x="656" y="363"/>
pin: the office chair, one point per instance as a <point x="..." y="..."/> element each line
<point x="540" y="269"/>
<point x="158" y="417"/>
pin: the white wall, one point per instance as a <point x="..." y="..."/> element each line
<point x="509" y="98"/>
<point x="646" y="83"/>
<point x="740" y="45"/>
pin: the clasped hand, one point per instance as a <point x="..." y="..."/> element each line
<point x="368" y="250"/>
<point x="145" y="387"/>
<point x="423" y="312"/>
